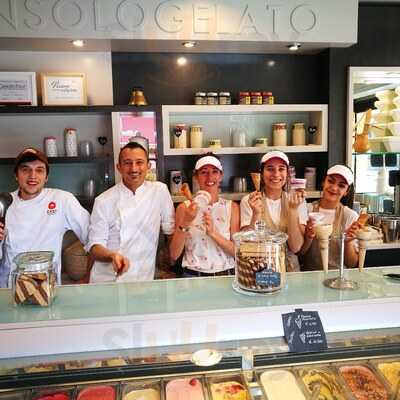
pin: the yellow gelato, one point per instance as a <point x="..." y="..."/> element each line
<point x="230" y="390"/>
<point x="391" y="371"/>
<point x="329" y="388"/>
<point x="142" y="394"/>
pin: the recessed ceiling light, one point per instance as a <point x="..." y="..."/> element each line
<point x="78" y="43"/>
<point x="270" y="63"/>
<point x="294" y="46"/>
<point x="181" y="61"/>
<point x="189" y="44"/>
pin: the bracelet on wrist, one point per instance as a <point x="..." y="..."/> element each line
<point x="183" y="229"/>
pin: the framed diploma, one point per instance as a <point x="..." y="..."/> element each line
<point x="63" y="89"/>
<point x="18" y="88"/>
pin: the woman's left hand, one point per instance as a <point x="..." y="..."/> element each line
<point x="295" y="198"/>
<point x="208" y="222"/>
<point x="352" y="229"/>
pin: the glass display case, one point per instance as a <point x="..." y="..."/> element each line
<point x="167" y="317"/>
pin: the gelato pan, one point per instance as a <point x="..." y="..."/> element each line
<point x="326" y="380"/>
<point x="280" y="384"/>
<point x="230" y="390"/>
<point x="184" y="389"/>
<point x="391" y="371"/>
<point x="17" y="395"/>
<point x="115" y="362"/>
<point x="142" y="394"/>
<point x="54" y="396"/>
<point x="40" y="368"/>
<point x="100" y="392"/>
<point x="363" y="383"/>
<point x="83" y="364"/>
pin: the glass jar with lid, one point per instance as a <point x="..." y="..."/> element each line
<point x="279" y="134"/>
<point x="196" y="136"/>
<point x="200" y="98"/>
<point x="34" y="279"/>
<point x="212" y="98"/>
<point x="260" y="260"/>
<point x="214" y="143"/>
<point x="244" y="98"/>
<point x="298" y="134"/>
<point x="267" y="98"/>
<point x="224" y="98"/>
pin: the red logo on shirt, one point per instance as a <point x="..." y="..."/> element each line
<point x="51" y="208"/>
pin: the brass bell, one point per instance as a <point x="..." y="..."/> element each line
<point x="137" y="97"/>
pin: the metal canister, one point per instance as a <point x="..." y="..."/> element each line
<point x="175" y="182"/>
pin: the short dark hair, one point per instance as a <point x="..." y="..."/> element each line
<point x="31" y="154"/>
<point x="132" y="145"/>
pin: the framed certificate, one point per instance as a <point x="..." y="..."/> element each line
<point x="18" y="88"/>
<point x="63" y="89"/>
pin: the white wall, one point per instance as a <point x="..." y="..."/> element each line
<point x="96" y="66"/>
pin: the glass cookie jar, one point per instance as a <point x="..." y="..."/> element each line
<point x="260" y="260"/>
<point x="34" y="279"/>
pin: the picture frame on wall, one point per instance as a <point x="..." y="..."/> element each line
<point x="18" y="88"/>
<point x="63" y="89"/>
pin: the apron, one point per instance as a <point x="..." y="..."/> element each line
<point x="292" y="260"/>
<point x="311" y="261"/>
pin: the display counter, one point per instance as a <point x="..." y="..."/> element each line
<point x="133" y="334"/>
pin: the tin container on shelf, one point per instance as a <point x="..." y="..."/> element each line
<point x="256" y="98"/>
<point x="50" y="146"/>
<point x="34" y="279"/>
<point x="244" y="98"/>
<point x="261" y="142"/>
<point x="214" y="143"/>
<point x="267" y="98"/>
<point x="260" y="260"/>
<point x="70" y="142"/>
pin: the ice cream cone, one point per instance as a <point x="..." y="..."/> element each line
<point x="324" y="249"/>
<point x="256" y="178"/>
<point x="323" y="232"/>
<point x="185" y="190"/>
<point x="362" y="250"/>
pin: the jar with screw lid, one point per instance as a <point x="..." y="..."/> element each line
<point x="212" y="98"/>
<point x="200" y="98"/>
<point x="279" y="134"/>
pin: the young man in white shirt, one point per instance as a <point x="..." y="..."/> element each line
<point x="38" y="217"/>
<point x="126" y="220"/>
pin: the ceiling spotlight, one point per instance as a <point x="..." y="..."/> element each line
<point x="294" y="46"/>
<point x="78" y="43"/>
<point x="189" y="44"/>
<point x="181" y="61"/>
<point x="271" y="63"/>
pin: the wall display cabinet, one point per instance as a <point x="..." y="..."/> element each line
<point x="247" y="123"/>
<point x="151" y="332"/>
<point x="21" y="127"/>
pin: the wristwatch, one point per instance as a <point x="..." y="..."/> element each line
<point x="183" y="229"/>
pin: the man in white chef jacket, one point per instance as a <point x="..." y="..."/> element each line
<point x="38" y="217"/>
<point x="126" y="220"/>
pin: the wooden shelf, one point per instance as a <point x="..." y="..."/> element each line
<point x="106" y="109"/>
<point x="65" y="160"/>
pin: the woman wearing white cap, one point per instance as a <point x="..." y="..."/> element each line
<point x="337" y="188"/>
<point x="280" y="211"/>
<point x="204" y="232"/>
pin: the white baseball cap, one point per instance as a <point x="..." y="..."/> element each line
<point x="208" y="160"/>
<point x="343" y="171"/>
<point x="275" y="154"/>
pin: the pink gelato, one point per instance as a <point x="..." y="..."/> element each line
<point x="184" y="389"/>
<point x="101" y="392"/>
<point x="54" y="396"/>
